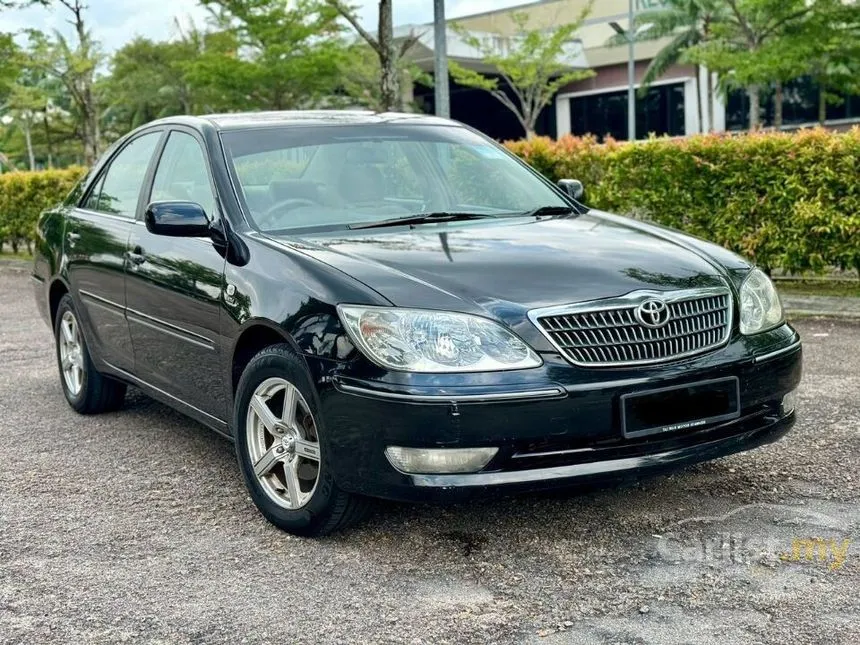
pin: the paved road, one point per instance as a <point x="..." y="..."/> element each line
<point x="135" y="527"/>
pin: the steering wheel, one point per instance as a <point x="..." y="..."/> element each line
<point x="285" y="206"/>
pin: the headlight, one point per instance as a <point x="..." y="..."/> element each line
<point x="760" y="306"/>
<point x="423" y="340"/>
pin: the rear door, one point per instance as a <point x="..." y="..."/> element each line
<point x="97" y="233"/>
<point x="174" y="287"/>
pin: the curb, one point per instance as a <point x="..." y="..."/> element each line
<point x="811" y="313"/>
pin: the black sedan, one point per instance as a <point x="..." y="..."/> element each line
<point x="388" y="305"/>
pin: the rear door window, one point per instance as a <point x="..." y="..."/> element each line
<point x="118" y="191"/>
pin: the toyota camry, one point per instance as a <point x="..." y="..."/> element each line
<point x="392" y="305"/>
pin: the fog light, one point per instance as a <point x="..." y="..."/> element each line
<point x="789" y="403"/>
<point x="439" y="460"/>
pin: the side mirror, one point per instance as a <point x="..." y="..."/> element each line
<point x="176" y="219"/>
<point x="572" y="187"/>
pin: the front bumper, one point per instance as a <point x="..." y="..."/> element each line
<point x="555" y="426"/>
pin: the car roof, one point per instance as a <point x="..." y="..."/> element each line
<point x="249" y="120"/>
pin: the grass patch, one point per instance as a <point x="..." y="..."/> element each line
<point x="20" y="255"/>
<point x="841" y="288"/>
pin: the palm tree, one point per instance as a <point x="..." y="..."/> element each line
<point x="688" y="23"/>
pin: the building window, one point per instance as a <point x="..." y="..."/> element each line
<point x="799" y="106"/>
<point x="660" y="111"/>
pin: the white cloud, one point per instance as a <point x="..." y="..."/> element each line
<point x="115" y="22"/>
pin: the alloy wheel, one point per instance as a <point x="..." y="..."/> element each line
<point x="71" y="353"/>
<point x="283" y="443"/>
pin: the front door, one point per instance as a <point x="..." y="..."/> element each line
<point x="97" y="233"/>
<point x="174" y="285"/>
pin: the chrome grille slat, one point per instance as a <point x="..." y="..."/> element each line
<point x="619" y="341"/>
<point x="606" y="333"/>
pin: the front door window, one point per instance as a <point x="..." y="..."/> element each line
<point x="182" y="174"/>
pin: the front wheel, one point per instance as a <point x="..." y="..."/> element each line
<point x="86" y="390"/>
<point x="280" y="452"/>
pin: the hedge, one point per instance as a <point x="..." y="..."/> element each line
<point x="787" y="201"/>
<point x="23" y="195"/>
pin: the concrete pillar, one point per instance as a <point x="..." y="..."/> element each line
<point x="562" y="116"/>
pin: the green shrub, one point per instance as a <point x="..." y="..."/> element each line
<point x="23" y="195"/>
<point x="789" y="201"/>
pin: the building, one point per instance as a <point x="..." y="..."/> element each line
<point x="675" y="105"/>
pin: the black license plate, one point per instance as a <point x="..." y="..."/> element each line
<point x="683" y="407"/>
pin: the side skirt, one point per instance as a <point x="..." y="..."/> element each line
<point x="214" y="423"/>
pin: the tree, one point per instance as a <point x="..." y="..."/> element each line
<point x="532" y="67"/>
<point x="74" y="65"/>
<point x="746" y="49"/>
<point x="688" y="23"/>
<point x="269" y="54"/>
<point x="24" y="106"/>
<point x="826" y="46"/>
<point x="360" y="74"/>
<point x="11" y="67"/>
<point x="19" y="4"/>
<point x="148" y="80"/>
<point x="389" y="54"/>
<point x="30" y="108"/>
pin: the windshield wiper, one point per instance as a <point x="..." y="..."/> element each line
<point x="550" y="210"/>
<point x="422" y="218"/>
<point x="446" y="216"/>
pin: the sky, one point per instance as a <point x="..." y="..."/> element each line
<point x="115" y="22"/>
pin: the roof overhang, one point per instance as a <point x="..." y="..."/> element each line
<point x="423" y="52"/>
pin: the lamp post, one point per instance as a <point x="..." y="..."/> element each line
<point x="630" y="36"/>
<point x="440" y="63"/>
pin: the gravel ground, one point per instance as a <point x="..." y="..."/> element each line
<point x="135" y="527"/>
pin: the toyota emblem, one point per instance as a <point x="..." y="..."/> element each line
<point x="652" y="313"/>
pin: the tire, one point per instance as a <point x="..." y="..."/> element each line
<point x="282" y="433"/>
<point x="88" y="391"/>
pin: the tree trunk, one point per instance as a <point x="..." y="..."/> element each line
<point x="93" y="134"/>
<point x="389" y="79"/>
<point x="752" y="92"/>
<point x="90" y="133"/>
<point x="709" y="92"/>
<point x="528" y="119"/>
<point x="777" y="106"/>
<point x="28" y="139"/>
<point x="822" y="106"/>
<point x="84" y="137"/>
<point x="699" y="97"/>
<point x="97" y="129"/>
<point x="48" y="142"/>
<point x="89" y="130"/>
<point x="389" y="99"/>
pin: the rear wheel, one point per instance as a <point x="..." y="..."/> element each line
<point x="280" y="452"/>
<point x="86" y="390"/>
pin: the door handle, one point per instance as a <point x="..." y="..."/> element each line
<point x="136" y="257"/>
<point x="73" y="238"/>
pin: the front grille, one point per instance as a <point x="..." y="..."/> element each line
<point x="608" y="333"/>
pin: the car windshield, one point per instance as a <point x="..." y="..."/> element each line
<point x="336" y="176"/>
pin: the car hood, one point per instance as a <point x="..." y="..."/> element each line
<point x="503" y="268"/>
